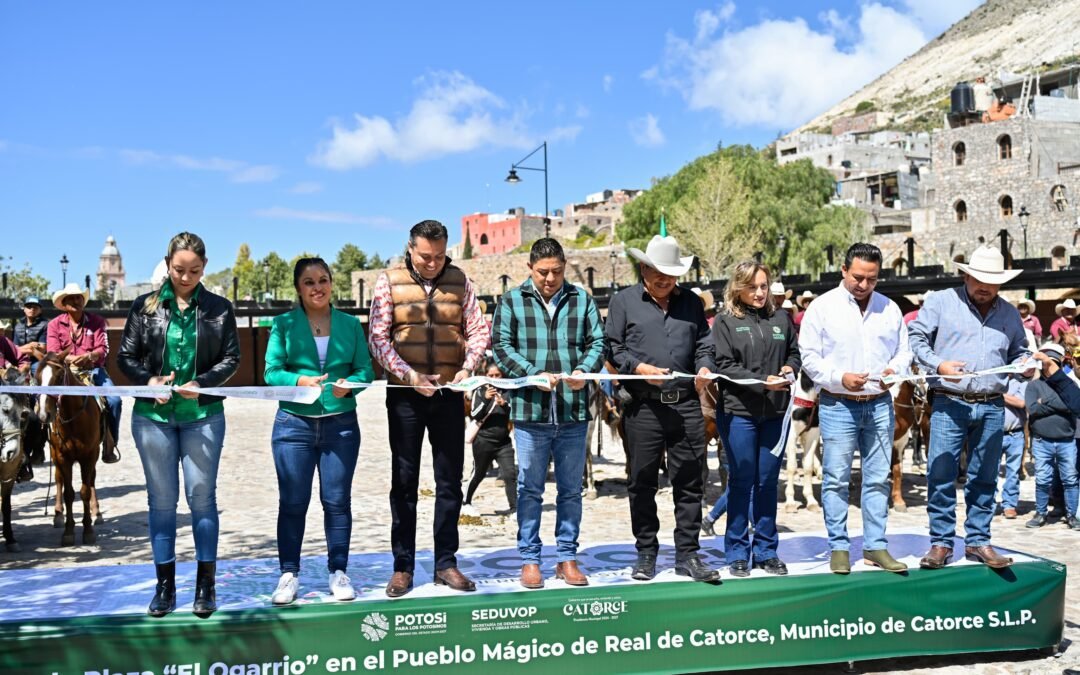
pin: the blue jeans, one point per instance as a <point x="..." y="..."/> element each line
<point x="720" y="507"/>
<point x="752" y="475"/>
<point x="847" y="427"/>
<point x="165" y="449"/>
<point x="536" y="445"/>
<point x="1050" y="455"/>
<point x="101" y="378"/>
<point x="1012" y="446"/>
<point x="300" y="445"/>
<point x="952" y="423"/>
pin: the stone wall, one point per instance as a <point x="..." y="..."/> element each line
<point x="486" y="272"/>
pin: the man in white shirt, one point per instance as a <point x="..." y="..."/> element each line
<point x="851" y="337"/>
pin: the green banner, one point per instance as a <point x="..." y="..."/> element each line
<point x="630" y="628"/>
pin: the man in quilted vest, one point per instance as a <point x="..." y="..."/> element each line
<point x="426" y="330"/>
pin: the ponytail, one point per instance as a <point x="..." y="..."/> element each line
<point x="185" y="241"/>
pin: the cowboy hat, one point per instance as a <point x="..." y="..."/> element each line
<point x="804" y="298"/>
<point x="707" y="298"/>
<point x="483" y="306"/>
<point x="1068" y="304"/>
<point x="988" y="266"/>
<point x="70" y="289"/>
<point x="1053" y="350"/>
<point x="777" y="288"/>
<point x="787" y="304"/>
<point x="662" y="254"/>
<point x="1027" y="302"/>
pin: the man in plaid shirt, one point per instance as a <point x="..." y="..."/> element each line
<point x="548" y="327"/>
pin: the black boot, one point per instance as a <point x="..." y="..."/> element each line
<point x="165" y="593"/>
<point x="205" y="595"/>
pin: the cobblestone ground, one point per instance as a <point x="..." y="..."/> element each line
<point x="247" y="497"/>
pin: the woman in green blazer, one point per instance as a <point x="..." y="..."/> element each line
<point x="309" y="345"/>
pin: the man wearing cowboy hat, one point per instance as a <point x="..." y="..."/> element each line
<point x="802" y="302"/>
<point x="1027" y="316"/>
<point x="967" y="329"/>
<point x="656" y="328"/>
<point x="83" y="336"/>
<point x="1053" y="426"/>
<point x="779" y="293"/>
<point x="1066" y="321"/>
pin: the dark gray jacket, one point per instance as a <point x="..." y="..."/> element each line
<point x="754" y="347"/>
<point x="1048" y="416"/>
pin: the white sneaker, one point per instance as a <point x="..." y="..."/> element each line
<point x="470" y="510"/>
<point x="341" y="587"/>
<point x="287" y="586"/>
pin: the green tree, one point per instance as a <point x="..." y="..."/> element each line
<point x="712" y="220"/>
<point x="280" y="276"/>
<point x="21" y="282"/>
<point x="248" y="277"/>
<point x="349" y="259"/>
<point x="376" y="263"/>
<point x="466" y="248"/>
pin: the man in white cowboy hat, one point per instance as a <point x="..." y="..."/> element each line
<point x="83" y="336"/>
<point x="655" y="328"/>
<point x="967" y="329"/>
<point x="779" y="293"/>
<point x="802" y="302"/>
<point x="1066" y="321"/>
<point x="1027" y="316"/>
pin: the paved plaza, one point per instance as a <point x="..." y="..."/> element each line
<point x="247" y="498"/>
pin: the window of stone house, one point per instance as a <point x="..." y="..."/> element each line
<point x="1005" y="147"/>
<point x="1058" y="199"/>
<point x="483" y="240"/>
<point x="959" y="153"/>
<point x="961" y="211"/>
<point x="1006" y="204"/>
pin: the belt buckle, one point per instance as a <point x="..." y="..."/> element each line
<point x="669" y="397"/>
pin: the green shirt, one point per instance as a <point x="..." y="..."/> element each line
<point x="179" y="357"/>
<point x="291" y="353"/>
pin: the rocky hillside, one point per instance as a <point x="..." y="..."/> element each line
<point x="1000" y="35"/>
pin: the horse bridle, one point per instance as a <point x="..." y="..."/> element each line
<point x="67" y="381"/>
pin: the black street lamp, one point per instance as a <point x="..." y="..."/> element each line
<point x="266" y="272"/>
<point x="1023" y="216"/>
<point x="614" y="259"/>
<point x="63" y="269"/>
<point x="782" y="243"/>
<point x="514" y="179"/>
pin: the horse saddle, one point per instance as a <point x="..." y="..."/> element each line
<point x="85" y="378"/>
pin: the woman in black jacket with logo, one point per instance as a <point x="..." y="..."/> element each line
<point x="753" y="341"/>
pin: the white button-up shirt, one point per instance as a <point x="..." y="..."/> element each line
<point x="837" y="337"/>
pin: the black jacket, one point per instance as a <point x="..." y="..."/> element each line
<point x="1048" y="415"/>
<point x="754" y="347"/>
<point x="217" y="348"/>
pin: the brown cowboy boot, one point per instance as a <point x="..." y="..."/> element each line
<point x="936" y="558"/>
<point x="453" y="578"/>
<point x="109" y="453"/>
<point x="531" y="576"/>
<point x="570" y="573"/>
<point x="987" y="556"/>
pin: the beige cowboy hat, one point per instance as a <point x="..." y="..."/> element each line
<point x="988" y="266"/>
<point x="662" y="254"/>
<point x="707" y="298"/>
<point x="804" y="298"/>
<point x="1026" y="302"/>
<point x="70" y="289"/>
<point x="787" y="304"/>
<point x="777" y="288"/>
<point x="1061" y="306"/>
<point x="483" y="306"/>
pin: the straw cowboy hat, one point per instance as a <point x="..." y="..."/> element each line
<point x="1026" y="302"/>
<point x="483" y="306"/>
<point x="804" y="298"/>
<point x="662" y="254"/>
<point x="787" y="304"/>
<point x="70" y="289"/>
<point x="777" y="288"/>
<point x="1061" y="306"/>
<point x="707" y="298"/>
<point x="988" y="266"/>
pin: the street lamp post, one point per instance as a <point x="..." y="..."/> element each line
<point x="782" y="243"/>
<point x="63" y="269"/>
<point x="514" y="179"/>
<point x="1023" y="216"/>
<point x="266" y="272"/>
<point x="614" y="259"/>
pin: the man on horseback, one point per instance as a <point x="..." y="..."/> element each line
<point x="82" y="336"/>
<point x="11" y="357"/>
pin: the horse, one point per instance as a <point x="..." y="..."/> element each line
<point x="14" y="413"/>
<point x="806" y="434"/>
<point x="604" y="411"/>
<point x="911" y="407"/>
<point x="75" y="437"/>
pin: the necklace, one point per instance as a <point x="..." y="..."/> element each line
<point x="318" y="324"/>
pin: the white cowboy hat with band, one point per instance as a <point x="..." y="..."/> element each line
<point x="1062" y="306"/>
<point x="1026" y="302"/>
<point x="988" y="266"/>
<point x="70" y="289"/>
<point x="777" y="288"/>
<point x="805" y="297"/>
<point x="662" y="254"/>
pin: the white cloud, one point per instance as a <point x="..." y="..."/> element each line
<point x="781" y="72"/>
<point x="451" y="115"/>
<point x="838" y="25"/>
<point x="567" y="133"/>
<point x="306" y="188"/>
<point x="339" y="217"/>
<point x="936" y="15"/>
<point x="237" y="171"/>
<point x="582" y="111"/>
<point x="609" y="81"/>
<point x="707" y="21"/>
<point x="646" y="131"/>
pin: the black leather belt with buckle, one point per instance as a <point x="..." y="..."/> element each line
<point x="667" y="397"/>
<point x="969" y="397"/>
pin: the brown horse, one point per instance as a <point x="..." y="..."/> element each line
<point x="15" y="410"/>
<point x="911" y="406"/>
<point x="75" y="435"/>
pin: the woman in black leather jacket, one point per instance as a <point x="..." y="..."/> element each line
<point x="184" y="335"/>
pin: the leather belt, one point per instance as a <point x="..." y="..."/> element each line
<point x="668" y="397"/>
<point x="857" y="398"/>
<point x="968" y="397"/>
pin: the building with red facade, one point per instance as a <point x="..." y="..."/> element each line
<point x="492" y="233"/>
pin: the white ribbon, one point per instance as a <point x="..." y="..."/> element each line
<point x="1010" y="369"/>
<point x="288" y="394"/>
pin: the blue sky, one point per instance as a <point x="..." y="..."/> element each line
<point x="302" y="127"/>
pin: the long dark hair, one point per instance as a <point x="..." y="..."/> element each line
<point x="298" y="271"/>
<point x="185" y="241"/>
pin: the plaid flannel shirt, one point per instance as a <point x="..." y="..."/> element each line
<point x="526" y="340"/>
